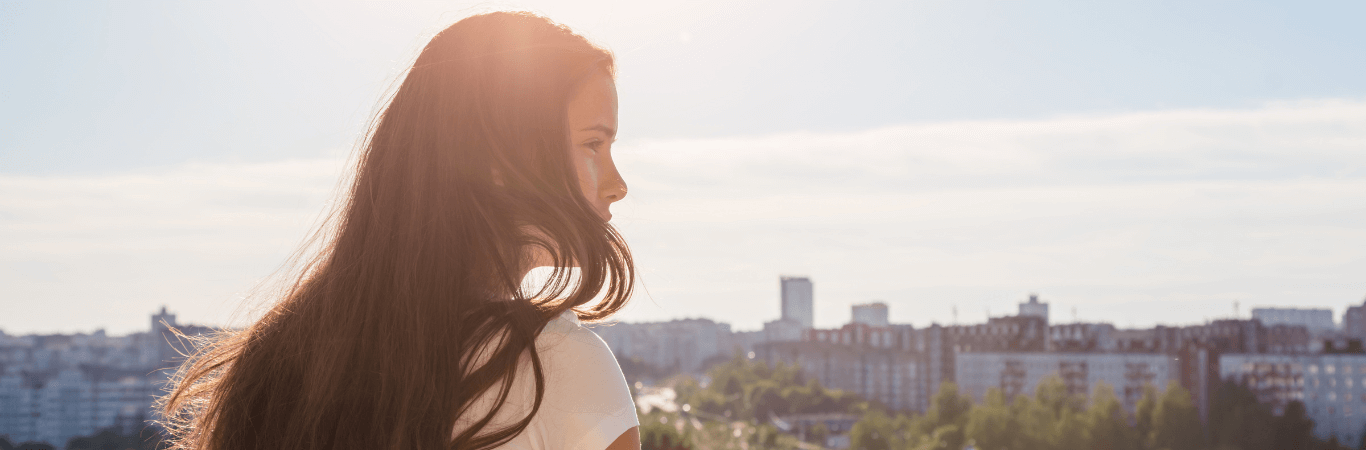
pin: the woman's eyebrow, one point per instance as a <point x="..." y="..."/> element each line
<point x="612" y="132"/>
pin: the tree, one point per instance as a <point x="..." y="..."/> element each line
<point x="991" y="425"/>
<point x="1052" y="393"/>
<point x="818" y="434"/>
<point x="1238" y="421"/>
<point x="1070" y="431"/>
<point x="1052" y="418"/>
<point x="948" y="408"/>
<point x="657" y="435"/>
<point x="1143" y="415"/>
<point x="1293" y="427"/>
<point x="766" y="399"/>
<point x="1107" y="425"/>
<point x="1033" y="427"/>
<point x="709" y="401"/>
<point x="1176" y="421"/>
<point x="764" y="436"/>
<point x="872" y="432"/>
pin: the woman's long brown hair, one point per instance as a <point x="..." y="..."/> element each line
<point x="373" y="345"/>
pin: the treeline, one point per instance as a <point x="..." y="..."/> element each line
<point x="746" y="394"/>
<point x="1053" y="419"/>
<point x="741" y="389"/>
<point x="734" y="408"/>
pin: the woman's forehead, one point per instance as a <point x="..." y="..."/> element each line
<point x="594" y="105"/>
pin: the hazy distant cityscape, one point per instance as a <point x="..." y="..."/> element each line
<point x="60" y="386"/>
<point x="1283" y="354"/>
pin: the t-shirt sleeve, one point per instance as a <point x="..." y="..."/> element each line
<point x="587" y="403"/>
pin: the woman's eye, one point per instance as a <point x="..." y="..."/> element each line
<point x="595" y="146"/>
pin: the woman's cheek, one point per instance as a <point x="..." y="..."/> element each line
<point x="591" y="167"/>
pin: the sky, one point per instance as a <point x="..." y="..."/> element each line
<point x="1131" y="162"/>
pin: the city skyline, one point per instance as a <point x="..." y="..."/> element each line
<point x="60" y="386"/>
<point x="876" y="314"/>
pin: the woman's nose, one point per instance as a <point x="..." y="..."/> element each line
<point x="613" y="188"/>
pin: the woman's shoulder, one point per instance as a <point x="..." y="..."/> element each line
<point x="587" y="402"/>
<point x="581" y="373"/>
<point x="566" y="339"/>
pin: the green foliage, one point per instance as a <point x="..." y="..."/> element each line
<point x="636" y="369"/>
<point x="1293" y="427"/>
<point x="735" y="410"/>
<point x="657" y="434"/>
<point x="993" y="424"/>
<point x="1054" y="415"/>
<point x="767" y="436"/>
<point x="1143" y="414"/>
<point x="1176" y="421"/>
<point x="766" y="399"/>
<point x="942" y="426"/>
<point x="1238" y="421"/>
<point x="1054" y="419"/>
<point x="948" y="407"/>
<point x="818" y="434"/>
<point x="1106" y="422"/>
<point x="947" y="417"/>
<point x="743" y="389"/>
<point x="875" y="431"/>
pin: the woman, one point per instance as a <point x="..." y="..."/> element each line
<point x="411" y="329"/>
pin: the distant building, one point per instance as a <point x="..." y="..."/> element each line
<point x="1020" y="373"/>
<point x="1082" y="337"/>
<point x="1354" y="321"/>
<point x="1316" y="320"/>
<point x="55" y="387"/>
<point x="935" y="344"/>
<point x="798" y="303"/>
<point x="1145" y="340"/>
<point x="871" y="314"/>
<point x="1000" y="334"/>
<point x="1332" y="387"/>
<point x="1034" y="308"/>
<point x="783" y="330"/>
<point x="877" y="363"/>
<point x="901" y="366"/>
<point x="53" y="407"/>
<point x="943" y="344"/>
<point x="746" y="340"/>
<point x="683" y="345"/>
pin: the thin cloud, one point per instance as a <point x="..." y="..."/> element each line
<point x="1165" y="216"/>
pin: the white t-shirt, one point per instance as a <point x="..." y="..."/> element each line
<point x="587" y="403"/>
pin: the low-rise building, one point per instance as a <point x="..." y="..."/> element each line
<point x="1354" y="320"/>
<point x="1316" y="320"/>
<point x="865" y="360"/>
<point x="1332" y="387"/>
<point x="55" y="387"/>
<point x="683" y="345"/>
<point x="1020" y="373"/>
<point x="871" y="314"/>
